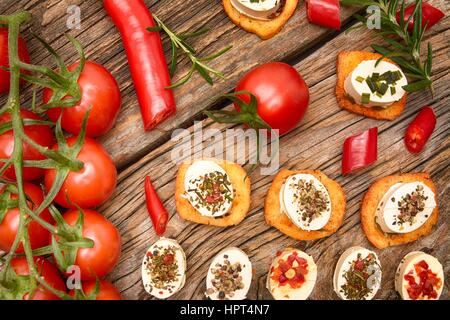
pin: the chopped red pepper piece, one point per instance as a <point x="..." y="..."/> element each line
<point x="430" y="15"/>
<point x="360" y="151"/>
<point x="156" y="209"/>
<point x="420" y="130"/>
<point x="326" y="13"/>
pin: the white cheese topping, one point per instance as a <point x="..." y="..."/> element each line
<point x="347" y="262"/>
<point x="405" y="207"/>
<point x="231" y="263"/>
<point x="297" y="204"/>
<point x="292" y="275"/>
<point x="409" y="266"/>
<point x="153" y="286"/>
<point x="259" y="9"/>
<point x="356" y="85"/>
<point x="208" y="188"/>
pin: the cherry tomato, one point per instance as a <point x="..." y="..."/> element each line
<point x="40" y="134"/>
<point x="282" y="94"/>
<point x="99" y="92"/>
<point x="4" y="58"/>
<point x="39" y="236"/>
<point x="107" y="291"/>
<point x="102" y="258"/>
<point x="93" y="184"/>
<point x="45" y="269"/>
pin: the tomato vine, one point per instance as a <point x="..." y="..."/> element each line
<point x="63" y="83"/>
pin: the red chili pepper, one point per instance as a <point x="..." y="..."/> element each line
<point x="326" y="13"/>
<point x="420" y="130"/>
<point x="155" y="208"/>
<point x="360" y="151"/>
<point x="146" y="59"/>
<point x="430" y="14"/>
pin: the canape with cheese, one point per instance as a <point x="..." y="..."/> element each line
<point x="292" y="275"/>
<point x="212" y="191"/>
<point x="229" y="276"/>
<point x="419" y="276"/>
<point x="263" y="17"/>
<point x="305" y="204"/>
<point x="369" y="86"/>
<point x="357" y="275"/>
<point x="164" y="268"/>
<point x="399" y="209"/>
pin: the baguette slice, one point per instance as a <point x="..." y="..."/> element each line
<point x="369" y="206"/>
<point x="241" y="203"/>
<point x="264" y="29"/>
<point x="279" y="220"/>
<point x="346" y="63"/>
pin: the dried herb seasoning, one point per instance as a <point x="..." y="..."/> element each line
<point x="410" y="205"/>
<point x="311" y="202"/>
<point x="358" y="278"/>
<point x="162" y="267"/>
<point x="212" y="191"/>
<point x="227" y="279"/>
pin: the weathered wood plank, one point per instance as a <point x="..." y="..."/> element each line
<point x="315" y="144"/>
<point x="127" y="142"/>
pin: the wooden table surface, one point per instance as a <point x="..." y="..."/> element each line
<point x="315" y="144"/>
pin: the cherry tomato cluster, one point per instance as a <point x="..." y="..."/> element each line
<point x="81" y="191"/>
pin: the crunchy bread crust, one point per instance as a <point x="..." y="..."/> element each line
<point x="264" y="29"/>
<point x="241" y="204"/>
<point x="279" y="220"/>
<point x="347" y="62"/>
<point x="369" y="206"/>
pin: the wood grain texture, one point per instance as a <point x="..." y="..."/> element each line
<point x="127" y="141"/>
<point x="315" y="144"/>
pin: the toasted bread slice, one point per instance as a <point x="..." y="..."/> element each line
<point x="241" y="203"/>
<point x="281" y="221"/>
<point x="369" y="206"/>
<point x="346" y="63"/>
<point x="264" y="29"/>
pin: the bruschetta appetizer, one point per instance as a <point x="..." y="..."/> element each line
<point x="419" y="276"/>
<point x="305" y="204"/>
<point x="264" y="18"/>
<point x="357" y="275"/>
<point x="292" y="275"/>
<point x="229" y="276"/>
<point x="399" y="209"/>
<point x="370" y="87"/>
<point x="164" y="268"/>
<point x="211" y="191"/>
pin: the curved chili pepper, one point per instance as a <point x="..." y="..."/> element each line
<point x="155" y="208"/>
<point x="326" y="13"/>
<point x="420" y="130"/>
<point x="360" y="151"/>
<point x="146" y="59"/>
<point x="430" y="15"/>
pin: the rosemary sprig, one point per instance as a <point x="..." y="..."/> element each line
<point x="402" y="46"/>
<point x="179" y="42"/>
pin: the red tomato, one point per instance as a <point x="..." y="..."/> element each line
<point x="107" y="291"/>
<point x="47" y="270"/>
<point x="282" y="94"/>
<point x="4" y="58"/>
<point x="99" y="92"/>
<point x="102" y="258"/>
<point x="41" y="134"/>
<point x="39" y="237"/>
<point x="92" y="185"/>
